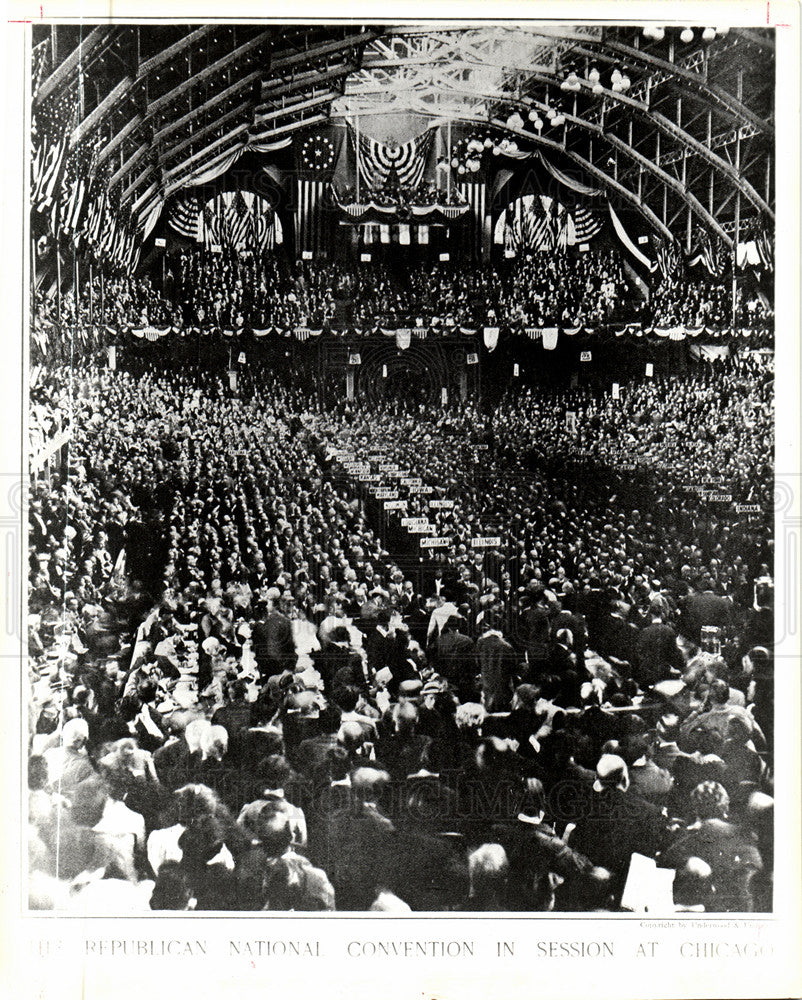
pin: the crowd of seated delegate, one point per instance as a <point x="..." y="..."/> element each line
<point x="678" y="301"/>
<point x="239" y="701"/>
<point x="263" y="292"/>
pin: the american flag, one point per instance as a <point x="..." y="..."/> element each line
<point x="183" y="215"/>
<point x="710" y="252"/>
<point x="238" y="220"/>
<point x="375" y="160"/>
<point x="212" y="233"/>
<point x="669" y="259"/>
<point x="586" y="224"/>
<point x="532" y="224"/>
<point x="51" y="127"/>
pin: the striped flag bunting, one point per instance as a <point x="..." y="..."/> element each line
<point x="182" y="216"/>
<point x="710" y="253"/>
<point x="309" y="221"/>
<point x="476" y="196"/>
<point x="586" y="224"/>
<point x="376" y="160"/>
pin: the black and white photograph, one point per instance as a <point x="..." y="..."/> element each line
<point x="400" y="495"/>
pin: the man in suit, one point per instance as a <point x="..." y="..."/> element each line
<point x="380" y="643"/>
<point x="704" y="607"/>
<point x="656" y="651"/>
<point x="453" y="655"/>
<point x="273" y="642"/>
<point x="498" y="666"/>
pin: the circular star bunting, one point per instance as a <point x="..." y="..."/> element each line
<point x="318" y="152"/>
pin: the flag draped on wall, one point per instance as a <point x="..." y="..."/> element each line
<point x="376" y="160"/>
<point x="51" y="126"/>
<point x="182" y="216"/>
<point x="476" y="195"/>
<point x="237" y="220"/>
<point x="710" y="252"/>
<point x="586" y="224"/>
<point x="668" y="259"/>
<point x="309" y="228"/>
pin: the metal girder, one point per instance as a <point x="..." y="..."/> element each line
<point x="310" y="102"/>
<point x="223" y="63"/>
<point x="712" y="90"/>
<point x="79" y="59"/>
<point x="350" y="41"/>
<point x="291" y="127"/>
<point x="119" y="138"/>
<point x="207" y="149"/>
<point x="597" y="172"/>
<point x="311" y="82"/>
<point x="676" y="185"/>
<point x="176" y="123"/>
<point x="94" y="117"/>
<point x="240" y="110"/>
<point x="668" y="127"/>
<point x="173" y="50"/>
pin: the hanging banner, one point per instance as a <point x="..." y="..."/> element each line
<point x="491" y="337"/>
<point x="112" y="353"/>
<point x="403" y="338"/>
<point x="550" y="334"/>
<point x="625" y="239"/>
<point x="435" y="543"/>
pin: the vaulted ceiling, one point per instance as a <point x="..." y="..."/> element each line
<point x="689" y="139"/>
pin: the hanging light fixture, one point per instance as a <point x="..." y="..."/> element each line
<point x="454" y="162"/>
<point x="615" y="76"/>
<point x="460" y="169"/>
<point x="708" y="34"/>
<point x="551" y="114"/>
<point x="659" y="34"/>
<point x="538" y="123"/>
<point x="686" y="36"/>
<point x="515" y="121"/>
<point x="598" y="88"/>
<point x="473" y="166"/>
<point x="533" y="115"/>
<point x="625" y="82"/>
<point x="721" y="32"/>
<point x="558" y="120"/>
<point x="496" y="151"/>
<point x="488" y="142"/>
<point x="594" y="75"/>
